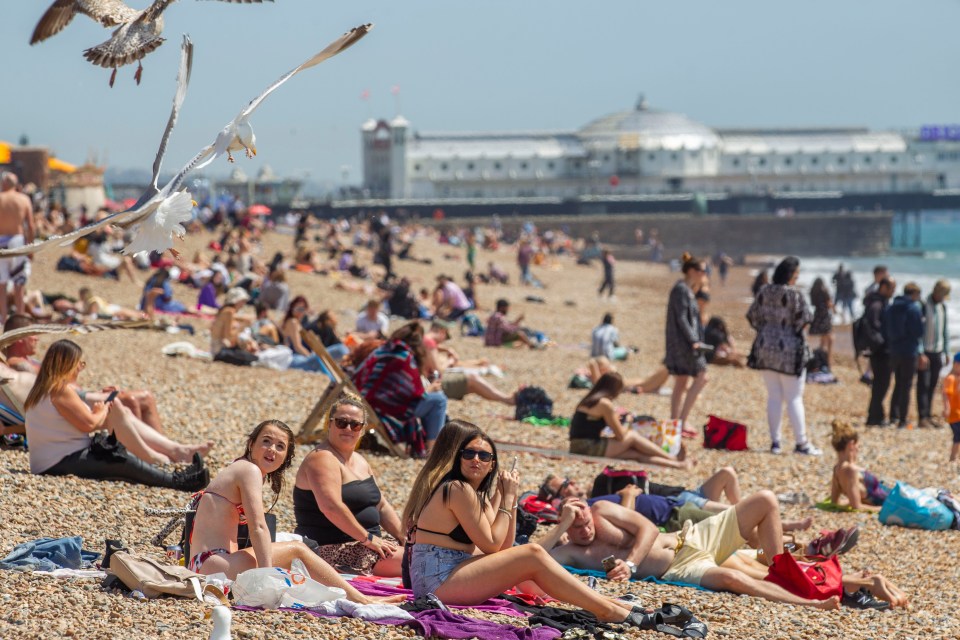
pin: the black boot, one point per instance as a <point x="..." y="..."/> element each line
<point x="112" y="547"/>
<point x="194" y="477"/>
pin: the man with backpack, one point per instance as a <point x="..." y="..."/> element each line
<point x="903" y="333"/>
<point x="869" y="336"/>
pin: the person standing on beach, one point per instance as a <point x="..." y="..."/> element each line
<point x="903" y="332"/>
<point x="936" y="341"/>
<point x="684" y="359"/>
<point x="524" y="257"/>
<point x="846" y="292"/>
<point x="607" y="261"/>
<point x="16" y="230"/>
<point x="822" y="324"/>
<point x="880" y="273"/>
<point x="779" y="314"/>
<point x="951" y="405"/>
<point x="875" y="306"/>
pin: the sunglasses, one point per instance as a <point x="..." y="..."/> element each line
<point x="347" y="423"/>
<point x="546" y="493"/>
<point x="470" y="454"/>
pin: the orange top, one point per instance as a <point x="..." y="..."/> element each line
<point x="951" y="389"/>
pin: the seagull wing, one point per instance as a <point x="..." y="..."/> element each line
<point x="183" y="80"/>
<point x="109" y="13"/>
<point x="121" y="219"/>
<point x="340" y="44"/>
<point x="65" y="329"/>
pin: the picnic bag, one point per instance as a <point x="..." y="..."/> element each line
<point x="719" y="433"/>
<point x="543" y="510"/>
<point x="666" y="434"/>
<point x="811" y="580"/>
<point x="611" y="480"/>
<point x="533" y="401"/>
<point x="154" y="579"/>
<point x="908" y="506"/>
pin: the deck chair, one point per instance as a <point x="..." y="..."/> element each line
<point x="311" y="428"/>
<point x="12" y="420"/>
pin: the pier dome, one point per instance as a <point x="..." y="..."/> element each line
<point x="645" y="128"/>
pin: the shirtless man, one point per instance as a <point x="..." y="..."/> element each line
<point x="16" y="229"/>
<point x="456" y="384"/>
<point x="607" y="529"/>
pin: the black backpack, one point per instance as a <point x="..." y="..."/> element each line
<point x="861" y="337"/>
<point x="533" y="401"/>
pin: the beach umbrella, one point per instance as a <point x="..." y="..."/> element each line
<point x="259" y="210"/>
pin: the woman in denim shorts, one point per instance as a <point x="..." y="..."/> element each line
<point x="472" y="507"/>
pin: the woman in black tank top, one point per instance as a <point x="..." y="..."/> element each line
<point x="337" y="503"/>
<point x="596" y="412"/>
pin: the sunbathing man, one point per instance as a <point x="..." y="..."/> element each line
<point x="20" y="357"/>
<point x="456" y="384"/>
<point x="695" y="557"/>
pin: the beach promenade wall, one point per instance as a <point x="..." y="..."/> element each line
<point x="809" y="234"/>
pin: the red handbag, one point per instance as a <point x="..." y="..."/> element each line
<point x="810" y="580"/>
<point x="724" y="434"/>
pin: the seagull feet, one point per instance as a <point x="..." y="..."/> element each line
<point x="139" y="74"/>
<point x="113" y="77"/>
<point x="176" y="254"/>
<point x="250" y="152"/>
<point x="229" y="156"/>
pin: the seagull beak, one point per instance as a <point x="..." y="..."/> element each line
<point x="254" y="149"/>
<point x="194" y="202"/>
<point x="208" y="614"/>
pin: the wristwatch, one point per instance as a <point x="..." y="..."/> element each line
<point x="633" y="567"/>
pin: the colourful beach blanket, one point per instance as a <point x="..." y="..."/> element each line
<point x="603" y="576"/>
<point x="828" y="505"/>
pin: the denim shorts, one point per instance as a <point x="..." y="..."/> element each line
<point x="955" y="426"/>
<point x="695" y="497"/>
<point x="432" y="565"/>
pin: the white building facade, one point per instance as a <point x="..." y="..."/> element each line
<point x="649" y="152"/>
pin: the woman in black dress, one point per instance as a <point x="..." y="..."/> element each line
<point x="684" y="358"/>
<point x="822" y="324"/>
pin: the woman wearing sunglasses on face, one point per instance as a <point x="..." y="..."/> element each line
<point x="338" y="504"/>
<point x="473" y="508"/>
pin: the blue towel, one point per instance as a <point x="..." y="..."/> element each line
<point x="603" y="575"/>
<point x="47" y="554"/>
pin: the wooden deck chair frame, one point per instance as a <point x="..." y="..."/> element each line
<point x="310" y="429"/>
<point x="6" y="394"/>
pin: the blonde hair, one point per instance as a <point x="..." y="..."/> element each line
<point x="843" y="434"/>
<point x="62" y="358"/>
<point x="448" y="444"/>
<point x="346" y="399"/>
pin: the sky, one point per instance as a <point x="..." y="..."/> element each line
<point x="479" y="66"/>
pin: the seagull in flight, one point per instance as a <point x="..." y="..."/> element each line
<point x="159" y="213"/>
<point x="138" y="33"/>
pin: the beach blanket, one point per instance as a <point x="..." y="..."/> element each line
<point x="555" y="421"/>
<point x="49" y="554"/>
<point x="827" y="505"/>
<point x="603" y="576"/>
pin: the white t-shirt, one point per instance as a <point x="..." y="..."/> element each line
<point x="51" y="437"/>
<point x="605" y="338"/>
<point x="381" y="324"/>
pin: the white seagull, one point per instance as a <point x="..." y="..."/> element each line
<point x="139" y="31"/>
<point x="159" y="213"/>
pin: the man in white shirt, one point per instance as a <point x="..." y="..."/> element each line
<point x="373" y="323"/>
<point x="606" y="341"/>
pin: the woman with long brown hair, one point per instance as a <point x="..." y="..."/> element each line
<point x="597" y="411"/>
<point x="235" y="496"/>
<point x="59" y="426"/>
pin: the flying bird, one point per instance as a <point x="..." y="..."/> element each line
<point x="158" y="213"/>
<point x="138" y="33"/>
<point x="238" y="134"/>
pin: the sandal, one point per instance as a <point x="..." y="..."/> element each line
<point x="675" y="614"/>
<point x="693" y="628"/>
<point x="651" y="622"/>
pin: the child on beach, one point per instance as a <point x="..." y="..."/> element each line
<point x="951" y="405"/>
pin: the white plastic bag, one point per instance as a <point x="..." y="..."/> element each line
<point x="277" y="358"/>
<point x="273" y="587"/>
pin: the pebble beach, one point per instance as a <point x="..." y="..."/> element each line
<point x="201" y="400"/>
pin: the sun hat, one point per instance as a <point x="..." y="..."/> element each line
<point x="236" y="295"/>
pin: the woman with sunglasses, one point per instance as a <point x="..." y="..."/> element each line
<point x="338" y="504"/>
<point x="472" y="508"/>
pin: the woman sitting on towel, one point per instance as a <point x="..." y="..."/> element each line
<point x="59" y="425"/>
<point x="338" y="504"/>
<point x="235" y="496"/>
<point x="596" y="411"/>
<point x="473" y="507"/>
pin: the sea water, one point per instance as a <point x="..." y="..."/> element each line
<point x="938" y="256"/>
